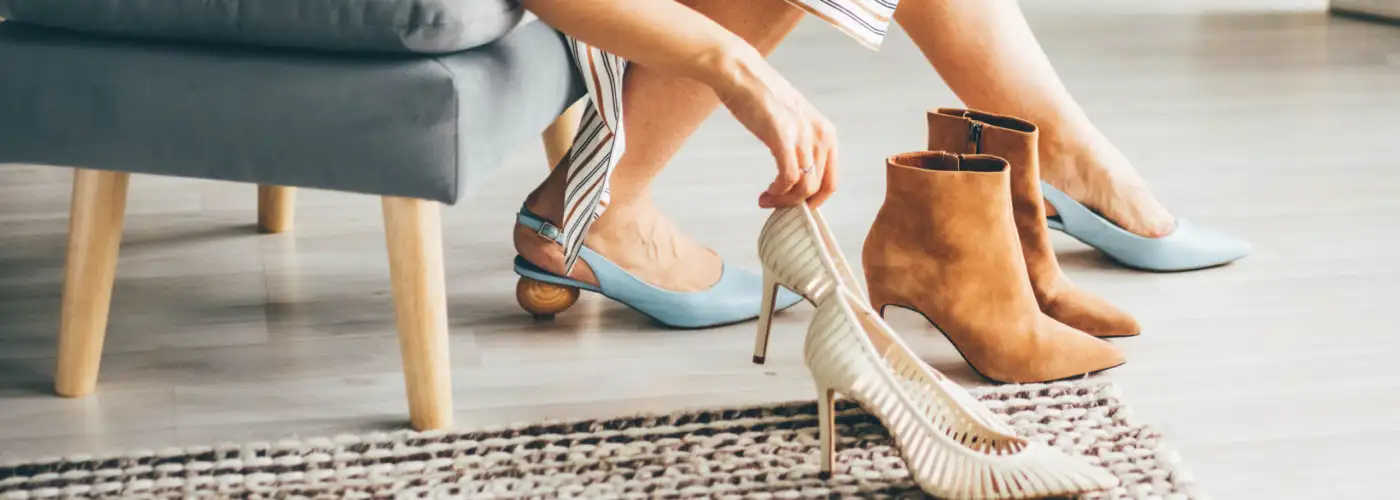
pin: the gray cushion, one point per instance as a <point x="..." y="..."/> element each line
<point x="395" y="26"/>
<point x="418" y="126"/>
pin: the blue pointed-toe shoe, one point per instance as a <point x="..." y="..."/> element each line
<point x="1188" y="247"/>
<point x="735" y="298"/>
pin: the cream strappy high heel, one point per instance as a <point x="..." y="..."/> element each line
<point x="953" y="444"/>
<point x="950" y="452"/>
<point x="799" y="251"/>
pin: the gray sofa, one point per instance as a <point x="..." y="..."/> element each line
<point x="416" y="116"/>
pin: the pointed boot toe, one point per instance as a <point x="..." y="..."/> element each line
<point x="1091" y="314"/>
<point x="1048" y="351"/>
<point x="1075" y="353"/>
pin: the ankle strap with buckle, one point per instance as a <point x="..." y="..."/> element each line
<point x="540" y="226"/>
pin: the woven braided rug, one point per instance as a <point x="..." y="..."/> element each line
<point x="751" y="452"/>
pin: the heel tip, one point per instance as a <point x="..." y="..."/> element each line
<point x="824" y="475"/>
<point x="758" y="360"/>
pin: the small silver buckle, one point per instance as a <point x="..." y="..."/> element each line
<point x="548" y="231"/>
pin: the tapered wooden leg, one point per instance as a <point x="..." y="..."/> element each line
<point x="559" y="137"/>
<point x="414" y="230"/>
<point x="94" y="235"/>
<point x="276" y="208"/>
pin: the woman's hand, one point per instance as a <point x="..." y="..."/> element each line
<point x="803" y="142"/>
<point x="670" y="37"/>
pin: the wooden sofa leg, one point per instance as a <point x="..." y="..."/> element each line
<point x="276" y="208"/>
<point x="559" y="137"/>
<point x="414" y="231"/>
<point x="94" y="235"/>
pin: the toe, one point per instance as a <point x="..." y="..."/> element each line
<point x="1076" y="353"/>
<point x="1207" y="247"/>
<point x="1092" y="314"/>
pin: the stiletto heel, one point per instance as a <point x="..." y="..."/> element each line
<point x="765" y="317"/>
<point x="544" y="300"/>
<point x="952" y="447"/>
<point x="826" y="430"/>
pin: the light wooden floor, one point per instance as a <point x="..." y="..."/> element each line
<point x="1275" y="377"/>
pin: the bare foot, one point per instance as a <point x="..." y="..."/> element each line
<point x="1103" y="180"/>
<point x="635" y="236"/>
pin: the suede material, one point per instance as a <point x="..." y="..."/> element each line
<point x="944" y="244"/>
<point x="1016" y="141"/>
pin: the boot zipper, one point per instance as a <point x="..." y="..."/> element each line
<point x="974" y="137"/>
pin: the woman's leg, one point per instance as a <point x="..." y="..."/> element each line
<point x="660" y="113"/>
<point x="987" y="54"/>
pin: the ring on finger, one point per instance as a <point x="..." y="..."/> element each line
<point x="809" y="168"/>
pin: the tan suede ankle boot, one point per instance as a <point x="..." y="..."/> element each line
<point x="944" y="244"/>
<point x="1015" y="140"/>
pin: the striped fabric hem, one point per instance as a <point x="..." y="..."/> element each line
<point x="867" y="21"/>
<point x="597" y="147"/>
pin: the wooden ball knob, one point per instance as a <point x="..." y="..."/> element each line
<point x="544" y="300"/>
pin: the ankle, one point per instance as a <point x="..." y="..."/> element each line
<point x="545" y="207"/>
<point x="625" y="213"/>
<point x="1061" y="153"/>
<point x="1087" y="167"/>
<point x="547" y="200"/>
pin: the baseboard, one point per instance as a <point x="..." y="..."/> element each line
<point x="1386" y="11"/>
<point x="1365" y="16"/>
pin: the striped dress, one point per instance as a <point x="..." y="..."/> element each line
<point x="601" y="139"/>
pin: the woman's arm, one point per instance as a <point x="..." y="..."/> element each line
<point x="672" y="38"/>
<point x="661" y="34"/>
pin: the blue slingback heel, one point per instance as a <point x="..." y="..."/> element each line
<point x="1188" y="247"/>
<point x="736" y="297"/>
